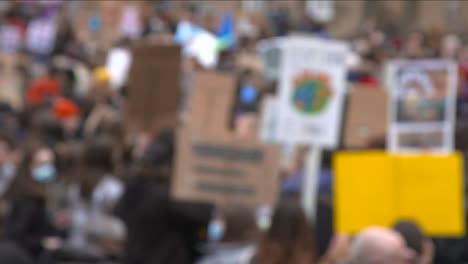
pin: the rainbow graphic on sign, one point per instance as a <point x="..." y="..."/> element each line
<point x="312" y="93"/>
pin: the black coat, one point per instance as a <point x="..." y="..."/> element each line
<point x="27" y="224"/>
<point x="160" y="230"/>
<point x="12" y="254"/>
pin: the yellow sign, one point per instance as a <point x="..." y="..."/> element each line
<point x="375" y="188"/>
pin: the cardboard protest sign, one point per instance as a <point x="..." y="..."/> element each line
<point x="154" y="88"/>
<point x="212" y="102"/>
<point x="422" y="101"/>
<point x="375" y="188"/>
<point x="213" y="169"/>
<point x="312" y="88"/>
<point x="366" y="117"/>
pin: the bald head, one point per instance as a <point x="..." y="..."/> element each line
<point x="376" y="245"/>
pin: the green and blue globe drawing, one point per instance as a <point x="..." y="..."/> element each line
<point x="312" y="93"/>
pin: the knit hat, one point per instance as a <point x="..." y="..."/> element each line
<point x="101" y="74"/>
<point x="64" y="108"/>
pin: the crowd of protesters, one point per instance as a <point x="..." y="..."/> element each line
<point x="76" y="187"/>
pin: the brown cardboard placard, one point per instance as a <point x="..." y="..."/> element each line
<point x="154" y="87"/>
<point x="224" y="170"/>
<point x="211" y="102"/>
<point x="366" y="118"/>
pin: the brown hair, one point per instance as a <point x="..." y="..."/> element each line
<point x="290" y="240"/>
<point x="240" y="223"/>
<point x="97" y="161"/>
<point x="23" y="184"/>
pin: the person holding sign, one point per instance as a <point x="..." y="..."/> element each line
<point x="160" y="230"/>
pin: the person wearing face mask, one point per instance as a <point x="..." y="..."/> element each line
<point x="28" y="224"/>
<point x="231" y="236"/>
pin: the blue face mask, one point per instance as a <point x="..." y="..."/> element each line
<point x="215" y="231"/>
<point x="44" y="174"/>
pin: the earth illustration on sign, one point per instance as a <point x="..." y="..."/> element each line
<point x="312" y="93"/>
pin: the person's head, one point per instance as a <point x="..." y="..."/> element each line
<point x="290" y="238"/>
<point x="53" y="72"/>
<point x="67" y="81"/>
<point x="157" y="159"/>
<point x="97" y="162"/>
<point x="8" y="117"/>
<point x="106" y="234"/>
<point x="450" y="46"/>
<point x="6" y="147"/>
<point x="98" y="154"/>
<point x="42" y="165"/>
<point x="51" y="132"/>
<point x="36" y="171"/>
<point x="235" y="224"/>
<point x="68" y="114"/>
<point x="414" y="237"/>
<point x="377" y="245"/>
<point x="414" y="43"/>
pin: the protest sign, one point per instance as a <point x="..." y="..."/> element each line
<point x="312" y="88"/>
<point x="422" y="100"/>
<point x="269" y="119"/>
<point x="40" y="35"/>
<point x="366" y="117"/>
<point x="320" y="10"/>
<point x="375" y="188"/>
<point x="118" y="62"/>
<point x="255" y="6"/>
<point x="197" y="42"/>
<point x="154" y="88"/>
<point x="224" y="170"/>
<point x="11" y="38"/>
<point x="203" y="46"/>
<point x="131" y="24"/>
<point x="212" y="102"/>
<point x="270" y="51"/>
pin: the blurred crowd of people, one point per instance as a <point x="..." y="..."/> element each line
<point x="75" y="186"/>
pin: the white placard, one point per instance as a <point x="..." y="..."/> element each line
<point x="203" y="47"/>
<point x="312" y="88"/>
<point x="10" y="38"/>
<point x="422" y="105"/>
<point x="40" y="35"/>
<point x="269" y="119"/>
<point x="321" y="10"/>
<point x="254" y="5"/>
<point x="131" y="23"/>
<point x="118" y="64"/>
<point x="270" y="51"/>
